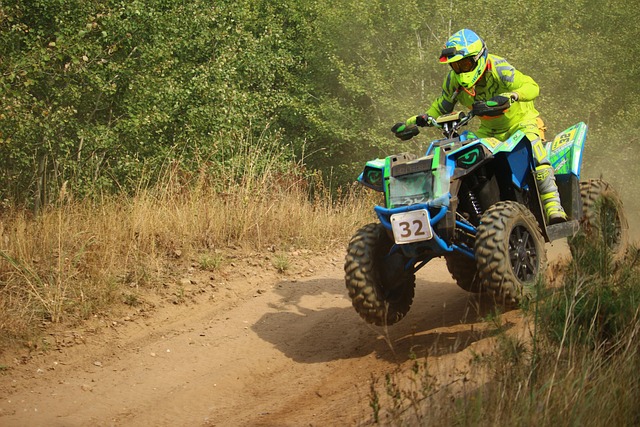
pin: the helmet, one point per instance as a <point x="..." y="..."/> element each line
<point x="467" y="54"/>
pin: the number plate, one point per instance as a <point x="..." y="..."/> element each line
<point x="411" y="226"/>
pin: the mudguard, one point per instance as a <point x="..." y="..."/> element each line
<point x="516" y="148"/>
<point x="565" y="150"/>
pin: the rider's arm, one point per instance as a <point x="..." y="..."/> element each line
<point x="526" y="88"/>
<point x="446" y="101"/>
<point x="513" y="80"/>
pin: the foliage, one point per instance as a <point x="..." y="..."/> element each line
<point x="105" y="94"/>
<point x="96" y="93"/>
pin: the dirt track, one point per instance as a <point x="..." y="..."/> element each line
<point x="262" y="350"/>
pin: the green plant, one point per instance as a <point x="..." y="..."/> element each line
<point x="598" y="300"/>
<point x="578" y="364"/>
<point x="281" y="262"/>
<point x="131" y="299"/>
<point x="209" y="262"/>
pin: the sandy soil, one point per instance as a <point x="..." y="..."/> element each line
<point x="247" y="348"/>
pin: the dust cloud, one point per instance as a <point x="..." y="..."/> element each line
<point x="620" y="167"/>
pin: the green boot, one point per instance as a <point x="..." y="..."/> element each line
<point x="549" y="195"/>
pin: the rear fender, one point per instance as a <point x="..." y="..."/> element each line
<point x="565" y="150"/>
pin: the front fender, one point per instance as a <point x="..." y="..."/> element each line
<point x="517" y="150"/>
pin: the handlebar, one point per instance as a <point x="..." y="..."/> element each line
<point x="450" y="123"/>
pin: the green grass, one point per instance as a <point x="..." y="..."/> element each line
<point x="281" y="262"/>
<point x="579" y="364"/>
<point x="210" y="262"/>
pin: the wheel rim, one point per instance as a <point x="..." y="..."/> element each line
<point x="523" y="253"/>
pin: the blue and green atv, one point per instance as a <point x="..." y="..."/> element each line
<point x="475" y="202"/>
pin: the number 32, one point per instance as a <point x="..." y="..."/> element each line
<point x="406" y="228"/>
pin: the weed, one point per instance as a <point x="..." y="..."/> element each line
<point x="211" y="263"/>
<point x="131" y="300"/>
<point x="281" y="262"/>
<point x="180" y="296"/>
<point x="374" y="399"/>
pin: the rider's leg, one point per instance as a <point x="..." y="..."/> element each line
<point x="549" y="194"/>
<point x="545" y="177"/>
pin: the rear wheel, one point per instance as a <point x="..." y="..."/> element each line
<point x="379" y="288"/>
<point x="464" y="272"/>
<point x="603" y="217"/>
<point x="510" y="251"/>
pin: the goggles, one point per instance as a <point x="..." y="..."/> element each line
<point x="463" y="65"/>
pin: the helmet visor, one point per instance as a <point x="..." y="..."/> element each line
<point x="464" y="65"/>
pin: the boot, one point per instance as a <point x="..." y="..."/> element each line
<point x="549" y="195"/>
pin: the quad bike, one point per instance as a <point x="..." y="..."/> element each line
<point x="475" y="202"/>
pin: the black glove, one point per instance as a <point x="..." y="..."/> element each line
<point x="513" y="96"/>
<point x="499" y="100"/>
<point x="425" y="120"/>
<point x="404" y="132"/>
<point x="421" y="120"/>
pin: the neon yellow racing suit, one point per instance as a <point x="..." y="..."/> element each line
<point x="499" y="77"/>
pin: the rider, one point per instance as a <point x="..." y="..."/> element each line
<point x="476" y="75"/>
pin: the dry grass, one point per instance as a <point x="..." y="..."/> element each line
<point x="81" y="257"/>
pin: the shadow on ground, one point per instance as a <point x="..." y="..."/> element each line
<point x="314" y="322"/>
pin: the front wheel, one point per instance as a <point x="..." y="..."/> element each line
<point x="603" y="217"/>
<point x="379" y="288"/>
<point x="510" y="251"/>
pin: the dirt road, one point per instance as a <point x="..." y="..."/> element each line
<point x="260" y="350"/>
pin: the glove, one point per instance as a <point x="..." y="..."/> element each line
<point x="499" y="100"/>
<point x="513" y="96"/>
<point x="423" y="120"/>
<point x="405" y="131"/>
